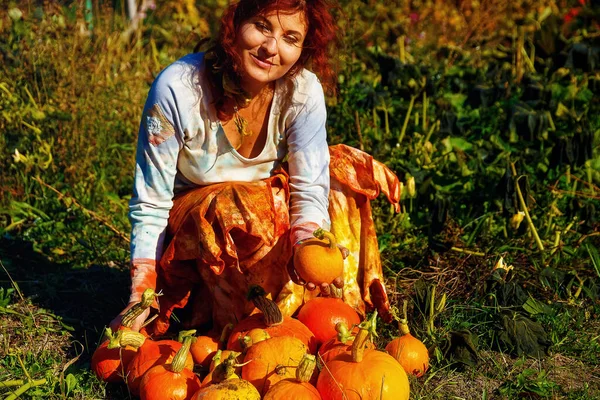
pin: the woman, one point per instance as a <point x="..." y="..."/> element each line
<point x="232" y="167"/>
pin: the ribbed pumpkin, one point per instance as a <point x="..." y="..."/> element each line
<point x="319" y="260"/>
<point x="321" y="314"/>
<point x="152" y="353"/>
<point x="205" y="346"/>
<point x="110" y="360"/>
<point x="409" y="351"/>
<point x="171" y="381"/>
<point x="363" y="374"/>
<point x="226" y="384"/>
<point x="272" y="321"/>
<point x="297" y="388"/>
<point x="112" y="357"/>
<point x="272" y="360"/>
<point x="342" y="343"/>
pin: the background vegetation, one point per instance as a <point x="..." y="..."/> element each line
<point x="488" y="111"/>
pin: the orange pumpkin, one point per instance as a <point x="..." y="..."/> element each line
<point x="206" y="346"/>
<point x="321" y="314"/>
<point x="272" y="360"/>
<point x="297" y="388"/>
<point x="152" y="353"/>
<point x="363" y="374"/>
<point x="171" y="381"/>
<point x="110" y="360"/>
<point x="229" y="389"/>
<point x="409" y="351"/>
<point x="225" y="384"/>
<point x="319" y="260"/>
<point x="342" y="343"/>
<point x="272" y="321"/>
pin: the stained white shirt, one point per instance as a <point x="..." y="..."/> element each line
<point x="182" y="145"/>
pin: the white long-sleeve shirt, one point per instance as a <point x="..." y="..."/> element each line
<point x="181" y="144"/>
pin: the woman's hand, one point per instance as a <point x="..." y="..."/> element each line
<point x="115" y="324"/>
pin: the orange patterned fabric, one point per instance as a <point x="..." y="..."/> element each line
<point x="224" y="237"/>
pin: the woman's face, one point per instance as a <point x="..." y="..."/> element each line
<point x="269" y="45"/>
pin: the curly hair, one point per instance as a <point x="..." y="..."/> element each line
<point x="317" y="50"/>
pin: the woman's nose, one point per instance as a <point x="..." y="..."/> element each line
<point x="269" y="46"/>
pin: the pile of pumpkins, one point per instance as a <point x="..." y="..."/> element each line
<point x="325" y="352"/>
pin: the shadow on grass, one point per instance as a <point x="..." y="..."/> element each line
<point x="86" y="299"/>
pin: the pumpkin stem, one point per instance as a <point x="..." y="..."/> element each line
<point x="343" y="333"/>
<point x="124" y="338"/>
<point x="138" y="309"/>
<point x="180" y="358"/>
<point x="245" y="343"/>
<point x="366" y="331"/>
<point x="225" y="334"/>
<point x="322" y="234"/>
<point x="271" y="313"/>
<point x="403" y="322"/>
<point x="216" y="360"/>
<point x="226" y="369"/>
<point x="306" y="368"/>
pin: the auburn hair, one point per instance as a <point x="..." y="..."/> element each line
<point x="317" y="50"/>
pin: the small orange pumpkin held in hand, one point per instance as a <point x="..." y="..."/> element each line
<point x="297" y="388"/>
<point x="410" y="352"/>
<point x="363" y="374"/>
<point x="319" y="260"/>
<point x="171" y="381"/>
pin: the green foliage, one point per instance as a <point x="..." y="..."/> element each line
<point x="452" y="96"/>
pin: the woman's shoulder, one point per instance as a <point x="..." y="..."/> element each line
<point x="307" y="90"/>
<point x="307" y="82"/>
<point x="181" y="76"/>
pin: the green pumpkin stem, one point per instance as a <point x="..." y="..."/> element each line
<point x="322" y="234"/>
<point x="225" y="334"/>
<point x="138" y="309"/>
<point x="366" y="332"/>
<point x="178" y="363"/>
<point x="271" y="313"/>
<point x="403" y="322"/>
<point x="306" y="368"/>
<point x="125" y="338"/>
<point x="343" y="333"/>
<point x="226" y="369"/>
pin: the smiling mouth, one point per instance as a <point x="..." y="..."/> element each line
<point x="262" y="63"/>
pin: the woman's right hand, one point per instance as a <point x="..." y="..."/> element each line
<point x="115" y="324"/>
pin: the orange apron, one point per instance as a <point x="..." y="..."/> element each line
<point x="225" y="237"/>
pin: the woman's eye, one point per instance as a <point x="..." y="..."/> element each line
<point x="261" y="26"/>
<point x="290" y="39"/>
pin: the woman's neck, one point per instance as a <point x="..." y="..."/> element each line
<point x="258" y="91"/>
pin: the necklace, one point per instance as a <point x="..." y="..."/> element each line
<point x="241" y="125"/>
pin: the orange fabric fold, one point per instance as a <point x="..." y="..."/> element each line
<point x="223" y="238"/>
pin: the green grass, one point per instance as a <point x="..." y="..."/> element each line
<point x="70" y="103"/>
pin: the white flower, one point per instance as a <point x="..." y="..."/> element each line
<point x="153" y="125"/>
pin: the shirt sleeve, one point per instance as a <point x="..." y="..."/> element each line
<point x="158" y="146"/>
<point x="308" y="160"/>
